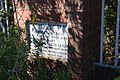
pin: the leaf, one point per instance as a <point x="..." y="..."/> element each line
<point x="17" y="78"/>
<point x="117" y="78"/>
<point x="13" y="78"/>
<point x="33" y="19"/>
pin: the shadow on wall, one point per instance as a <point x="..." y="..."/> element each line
<point x="82" y="26"/>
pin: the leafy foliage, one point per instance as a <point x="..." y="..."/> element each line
<point x="12" y="55"/>
<point x="110" y="30"/>
<point x="62" y="75"/>
<point x="117" y="78"/>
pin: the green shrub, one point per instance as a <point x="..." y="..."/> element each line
<point x="59" y="75"/>
<point x="12" y="55"/>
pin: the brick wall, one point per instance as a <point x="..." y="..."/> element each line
<point x="22" y="12"/>
<point x="83" y="17"/>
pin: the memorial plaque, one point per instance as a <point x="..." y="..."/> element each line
<point x="55" y="37"/>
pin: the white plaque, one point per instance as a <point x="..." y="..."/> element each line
<point x="55" y="37"/>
